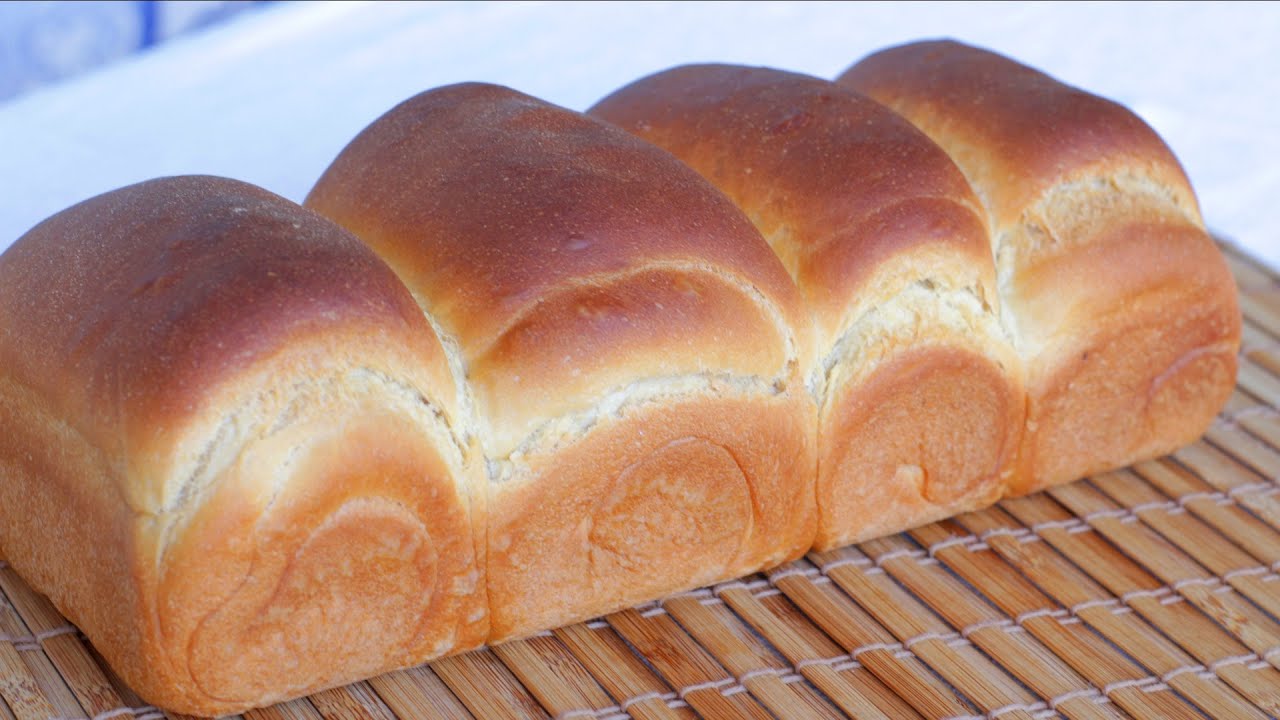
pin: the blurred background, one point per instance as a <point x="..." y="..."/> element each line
<point x="98" y="95"/>
<point x="44" y="42"/>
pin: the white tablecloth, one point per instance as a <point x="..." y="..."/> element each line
<point x="271" y="98"/>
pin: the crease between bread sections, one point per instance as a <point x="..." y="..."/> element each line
<point x="511" y="366"/>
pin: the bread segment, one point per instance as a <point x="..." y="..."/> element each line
<point x="1118" y="300"/>
<point x="921" y="398"/>
<point x="228" y="448"/>
<point x="633" y="347"/>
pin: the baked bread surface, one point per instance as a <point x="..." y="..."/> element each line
<point x="630" y="348"/>
<point x="1118" y="300"/>
<point x="559" y="373"/>
<point x="921" y="394"/>
<point x="226" y="448"/>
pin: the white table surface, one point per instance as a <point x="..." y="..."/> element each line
<point x="271" y="97"/>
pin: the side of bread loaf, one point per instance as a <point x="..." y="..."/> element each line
<point x="227" y="448"/>
<point x="921" y="393"/>
<point x="631" y="347"/>
<point x="1119" y="301"/>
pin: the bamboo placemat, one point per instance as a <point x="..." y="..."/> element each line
<point x="1149" y="592"/>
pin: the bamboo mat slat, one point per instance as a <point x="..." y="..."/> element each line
<point x="1148" y="592"/>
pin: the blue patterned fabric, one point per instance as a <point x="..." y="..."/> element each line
<point x="44" y="42"/>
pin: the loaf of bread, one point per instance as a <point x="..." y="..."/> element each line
<point x="921" y="395"/>
<point x="629" y="348"/>
<point x="514" y="367"/>
<point x="228" y="447"/>
<point x="1118" y="301"/>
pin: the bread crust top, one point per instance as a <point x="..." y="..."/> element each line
<point x="844" y="189"/>
<point x="1016" y="131"/>
<point x="129" y="312"/>
<point x="564" y="258"/>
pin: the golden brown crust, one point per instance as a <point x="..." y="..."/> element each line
<point x="362" y="562"/>
<point x="627" y="337"/>
<point x="887" y="243"/>
<point x="839" y="185"/>
<point x="150" y="314"/>
<point x="179" y="360"/>
<point x="1015" y="131"/>
<point x="1142" y="361"/>
<point x="56" y="518"/>
<point x="485" y="200"/>
<point x="935" y="425"/>
<point x="1119" y="302"/>
<point x="284" y="471"/>
<point x="664" y="497"/>
<point x="604" y="334"/>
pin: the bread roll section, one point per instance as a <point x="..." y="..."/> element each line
<point x="630" y="349"/>
<point x="226" y="447"/>
<point x="1120" y="304"/>
<point x="921" y="394"/>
